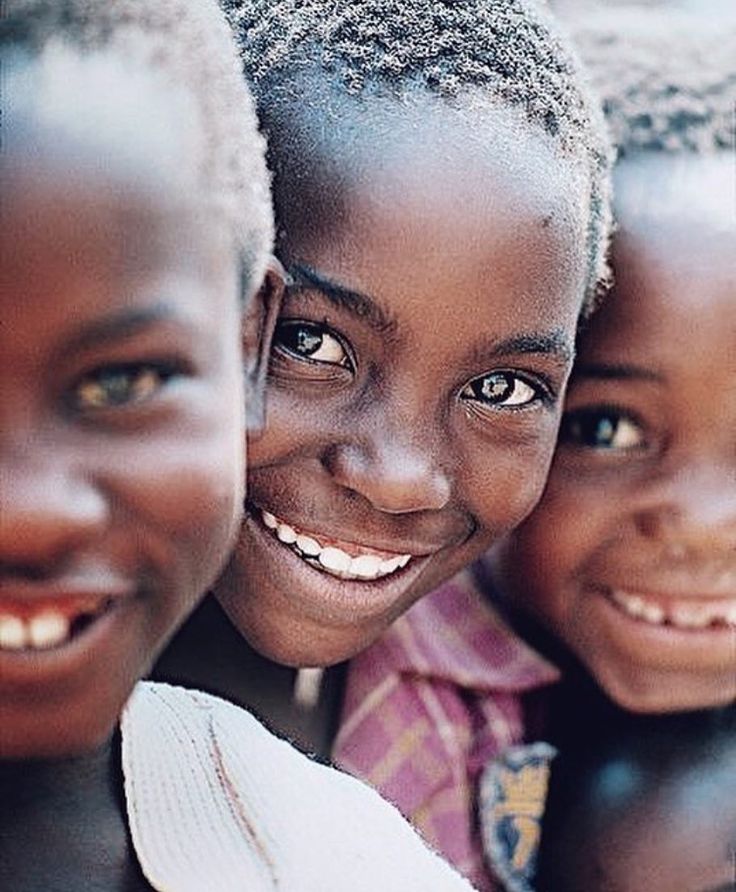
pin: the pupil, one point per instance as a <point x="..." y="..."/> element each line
<point x="496" y="388"/>
<point x="605" y="430"/>
<point x="307" y="341"/>
<point x="116" y="384"/>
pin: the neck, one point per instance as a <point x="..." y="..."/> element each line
<point x="23" y="783"/>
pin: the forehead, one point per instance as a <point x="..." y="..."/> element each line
<point x="379" y="144"/>
<point x="674" y="259"/>
<point x="99" y="170"/>
<point x="104" y="112"/>
<point x="427" y="196"/>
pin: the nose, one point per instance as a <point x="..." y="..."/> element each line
<point x="693" y="510"/>
<point x="394" y="473"/>
<point x="46" y="512"/>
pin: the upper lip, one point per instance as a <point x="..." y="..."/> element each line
<point x="362" y="541"/>
<point x="33" y="593"/>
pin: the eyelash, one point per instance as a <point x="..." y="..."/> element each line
<point x="137" y="383"/>
<point x="541" y="392"/>
<point x="577" y="428"/>
<point x="304" y="330"/>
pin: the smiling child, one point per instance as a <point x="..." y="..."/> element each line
<point x="629" y="560"/>
<point x="135" y="235"/>
<point x="441" y="193"/>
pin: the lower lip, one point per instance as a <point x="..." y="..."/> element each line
<point x="653" y="643"/>
<point x="57" y="665"/>
<point x="323" y="596"/>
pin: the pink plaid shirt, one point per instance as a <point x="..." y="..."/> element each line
<point x="429" y="704"/>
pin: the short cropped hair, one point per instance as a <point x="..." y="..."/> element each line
<point x="667" y="77"/>
<point x="510" y="49"/>
<point x="189" y="42"/>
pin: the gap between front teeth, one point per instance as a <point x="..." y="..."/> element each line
<point x="678" y="615"/>
<point x="43" y="631"/>
<point x="331" y="559"/>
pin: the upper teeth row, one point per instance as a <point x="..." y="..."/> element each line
<point x="334" y="560"/>
<point x="678" y="614"/>
<point x="47" y="629"/>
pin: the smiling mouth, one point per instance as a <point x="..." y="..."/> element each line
<point x="359" y="564"/>
<point x="678" y="613"/>
<point x="47" y="625"/>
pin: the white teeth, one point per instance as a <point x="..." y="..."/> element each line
<point x="391" y="564"/>
<point x="679" y="615"/>
<point x="367" y="566"/>
<point x="42" y="631"/>
<point x="13" y="635"/>
<point x="286" y="534"/>
<point x="690" y="617"/>
<point x="651" y="613"/>
<point x="48" y="629"/>
<point x="308" y="546"/>
<point x="632" y="604"/>
<point x="335" y="560"/>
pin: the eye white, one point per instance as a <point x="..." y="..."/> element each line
<point x="521" y="394"/>
<point x="330" y="350"/>
<point x="627" y="435"/>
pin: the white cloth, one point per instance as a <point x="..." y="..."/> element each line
<point x="216" y="803"/>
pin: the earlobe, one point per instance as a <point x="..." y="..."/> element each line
<point x="259" y="322"/>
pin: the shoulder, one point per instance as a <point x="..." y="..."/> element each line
<point x="306" y="820"/>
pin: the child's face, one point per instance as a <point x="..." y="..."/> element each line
<point x="630" y="558"/>
<point x="416" y="377"/>
<point x="121" y="429"/>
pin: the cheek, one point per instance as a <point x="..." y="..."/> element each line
<point x="293" y="426"/>
<point x="185" y="493"/>
<point x="503" y="483"/>
<point x="550" y="549"/>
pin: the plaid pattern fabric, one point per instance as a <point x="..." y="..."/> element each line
<point x="428" y="705"/>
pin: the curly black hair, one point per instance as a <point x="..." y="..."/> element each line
<point x="503" y="51"/>
<point x="189" y="42"/>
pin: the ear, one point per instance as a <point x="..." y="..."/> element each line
<point x="259" y="322"/>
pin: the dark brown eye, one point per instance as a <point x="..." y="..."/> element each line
<point x="601" y="429"/>
<point x="503" y="389"/>
<point x="308" y="341"/>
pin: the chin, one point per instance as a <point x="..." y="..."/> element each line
<point x="299" y="648"/>
<point x="30" y="741"/>
<point x="664" y="694"/>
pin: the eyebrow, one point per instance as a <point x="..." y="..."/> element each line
<point x="364" y="307"/>
<point x="118" y="326"/>
<point x="354" y="302"/>
<point x="549" y="343"/>
<point x="614" y="372"/>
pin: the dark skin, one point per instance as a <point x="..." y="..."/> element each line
<point x="121" y="443"/>
<point x="639" y="802"/>
<point x="630" y="558"/>
<point x="78" y="795"/>
<point x="417" y="371"/>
